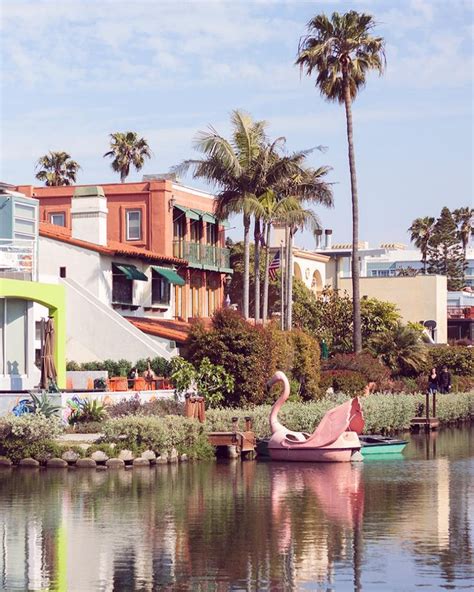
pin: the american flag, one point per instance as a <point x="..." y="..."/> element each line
<point x="274" y="266"/>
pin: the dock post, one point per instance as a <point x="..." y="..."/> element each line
<point x="434" y="403"/>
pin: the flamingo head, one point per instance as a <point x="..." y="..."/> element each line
<point x="277" y="377"/>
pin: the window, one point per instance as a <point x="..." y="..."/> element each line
<point x="122" y="287"/>
<point x="134" y="224"/>
<point x="160" y="289"/>
<point x="58" y="218"/>
<point x="211" y="234"/>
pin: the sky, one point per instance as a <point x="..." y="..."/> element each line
<point x="75" y="71"/>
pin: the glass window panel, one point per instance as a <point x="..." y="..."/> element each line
<point x="15" y="336"/>
<point x="134" y="225"/>
<point x="58" y="219"/>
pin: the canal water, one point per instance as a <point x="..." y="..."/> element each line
<point x="402" y="523"/>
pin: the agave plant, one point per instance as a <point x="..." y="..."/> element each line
<point x="41" y="404"/>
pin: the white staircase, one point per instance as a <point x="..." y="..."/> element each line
<point x="96" y="331"/>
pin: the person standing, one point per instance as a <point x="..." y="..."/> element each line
<point x="444" y="381"/>
<point x="433" y="381"/>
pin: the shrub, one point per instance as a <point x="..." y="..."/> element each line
<point x="159" y="434"/>
<point x="29" y="435"/>
<point x="365" y="363"/>
<point x="90" y="427"/>
<point x="237" y="346"/>
<point x="159" y="365"/>
<point x="462" y="384"/>
<point x="344" y="381"/>
<point x="458" y="359"/>
<point x="305" y="369"/>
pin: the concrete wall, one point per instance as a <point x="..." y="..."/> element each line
<point x="418" y="298"/>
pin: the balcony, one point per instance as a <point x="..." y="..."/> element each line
<point x="460" y="312"/>
<point x="202" y="256"/>
<point x="18" y="259"/>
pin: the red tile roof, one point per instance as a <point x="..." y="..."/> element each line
<point x="112" y="248"/>
<point x="168" y="329"/>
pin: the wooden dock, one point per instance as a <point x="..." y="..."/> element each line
<point x="426" y="423"/>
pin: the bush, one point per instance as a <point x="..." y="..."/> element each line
<point x="305" y="369"/>
<point x="237" y="346"/>
<point x="458" y="359"/>
<point x="133" y="406"/>
<point x="86" y="411"/>
<point x="462" y="384"/>
<point x="29" y="435"/>
<point x="365" y="363"/>
<point x="159" y="434"/>
<point x="344" y="381"/>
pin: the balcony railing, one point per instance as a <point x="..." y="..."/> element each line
<point x="460" y="312"/>
<point x="201" y="254"/>
<point x="18" y="259"/>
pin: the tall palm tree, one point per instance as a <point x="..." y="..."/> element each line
<point x="229" y="165"/>
<point x="57" y="168"/>
<point x="341" y="50"/>
<point x="421" y="232"/>
<point x="127" y="150"/>
<point x="464" y="218"/>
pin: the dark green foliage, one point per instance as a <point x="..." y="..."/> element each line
<point x="41" y="403"/>
<point x="445" y="252"/>
<point x="463" y="384"/>
<point x="458" y="359"/>
<point x="329" y="316"/>
<point x="237" y="346"/>
<point x="87" y="411"/>
<point x="251" y="354"/>
<point x="400" y="349"/>
<point x="348" y="382"/>
<point x="16" y="448"/>
<point x="306" y="364"/>
<point x="365" y="363"/>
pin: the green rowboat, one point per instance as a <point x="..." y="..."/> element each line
<point x="381" y="445"/>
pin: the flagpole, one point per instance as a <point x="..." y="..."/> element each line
<point x="282" y="289"/>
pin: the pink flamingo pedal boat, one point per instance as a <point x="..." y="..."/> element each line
<point x="334" y="440"/>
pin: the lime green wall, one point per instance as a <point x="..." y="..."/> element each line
<point x="52" y="296"/>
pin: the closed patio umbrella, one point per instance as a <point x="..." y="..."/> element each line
<point x="48" y="368"/>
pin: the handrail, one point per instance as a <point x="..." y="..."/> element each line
<point x="202" y="254"/>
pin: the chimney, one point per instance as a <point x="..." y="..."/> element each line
<point x="318" y="235"/>
<point x="328" y="238"/>
<point x="89" y="215"/>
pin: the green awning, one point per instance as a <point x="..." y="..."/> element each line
<point x="188" y="212"/>
<point x="131" y="272"/>
<point x="169" y="274"/>
<point x="207" y="217"/>
<point x="224" y="223"/>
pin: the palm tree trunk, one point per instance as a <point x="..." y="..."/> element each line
<point x="267" y="267"/>
<point x="257" y="236"/>
<point x="245" y="303"/>
<point x="357" y="338"/>
<point x="289" y="290"/>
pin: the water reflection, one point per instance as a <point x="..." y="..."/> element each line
<point x="244" y="526"/>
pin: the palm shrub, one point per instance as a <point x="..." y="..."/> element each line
<point x="400" y="349"/>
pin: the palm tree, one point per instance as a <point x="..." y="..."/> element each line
<point x="127" y="150"/>
<point x="464" y="218"/>
<point x="421" y="232"/>
<point x="229" y="165"/>
<point x="401" y="349"/>
<point x="341" y="50"/>
<point x="57" y="168"/>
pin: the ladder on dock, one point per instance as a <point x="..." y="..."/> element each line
<point x="426" y="423"/>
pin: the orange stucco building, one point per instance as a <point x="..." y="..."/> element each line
<point x="164" y="217"/>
